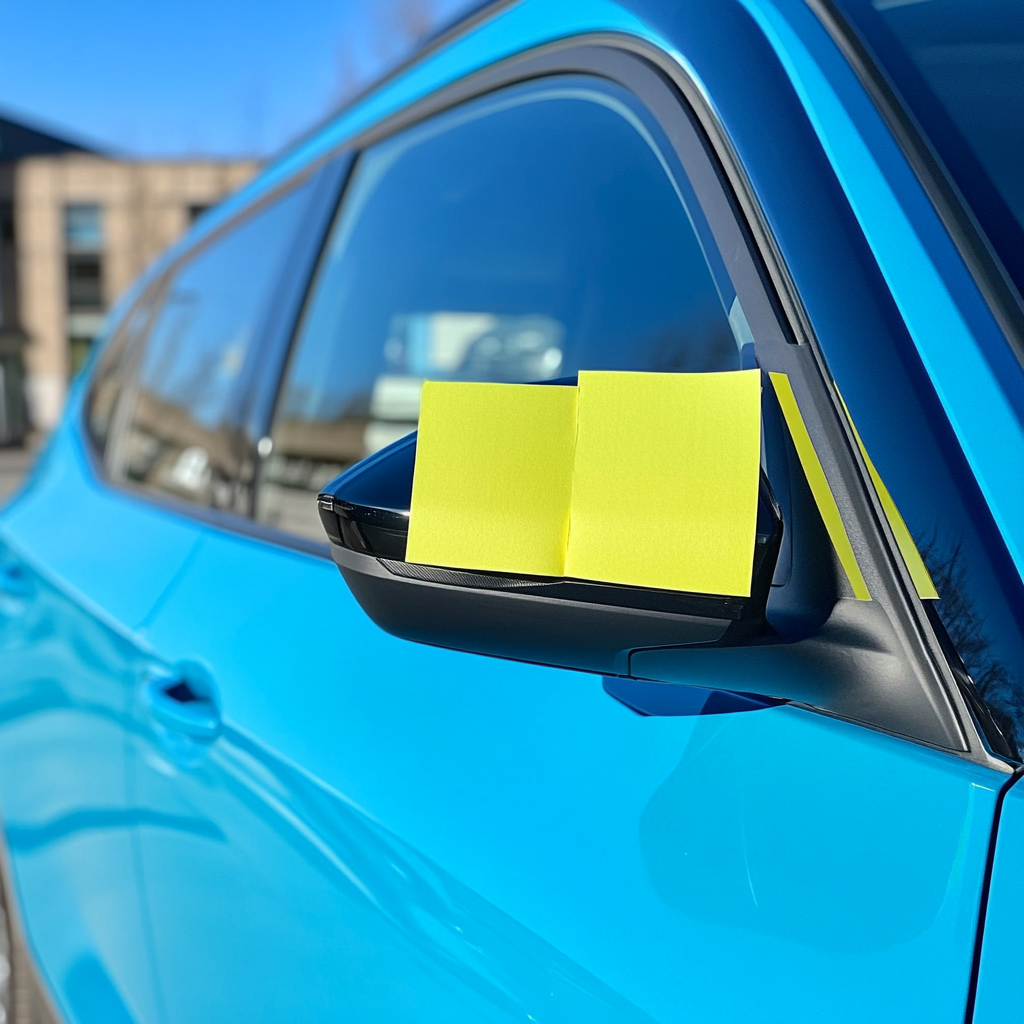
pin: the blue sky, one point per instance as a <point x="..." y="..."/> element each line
<point x="198" y="77"/>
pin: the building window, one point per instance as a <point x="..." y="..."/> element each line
<point x="85" y="282"/>
<point x="83" y="227"/>
<point x="196" y="210"/>
<point x="7" y="319"/>
<point x="83" y="242"/>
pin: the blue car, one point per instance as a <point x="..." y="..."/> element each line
<point x="237" y="784"/>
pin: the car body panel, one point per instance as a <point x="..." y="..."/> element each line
<point x="79" y="574"/>
<point x="1000" y="995"/>
<point x="69" y="828"/>
<point x="954" y="331"/>
<point x="78" y="538"/>
<point x="653" y="854"/>
<point x="409" y="832"/>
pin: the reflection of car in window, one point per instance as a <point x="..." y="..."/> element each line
<point x="458" y="346"/>
<point x="770" y="242"/>
<point x="503" y="275"/>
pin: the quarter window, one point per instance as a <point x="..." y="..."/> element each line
<point x="114" y="369"/>
<point x="180" y="413"/>
<point x="520" y="237"/>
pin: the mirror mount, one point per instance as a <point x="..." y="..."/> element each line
<point x="799" y="637"/>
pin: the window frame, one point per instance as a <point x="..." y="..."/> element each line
<point x="762" y="282"/>
<point x="656" y="82"/>
<point x="273" y="335"/>
<point x="401" y="125"/>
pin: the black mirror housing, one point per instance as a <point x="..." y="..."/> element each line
<point x="566" y="623"/>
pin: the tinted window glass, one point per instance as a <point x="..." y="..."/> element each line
<point x="959" y="66"/>
<point x="115" y="368"/>
<point x="521" y="237"/>
<point x="180" y="415"/>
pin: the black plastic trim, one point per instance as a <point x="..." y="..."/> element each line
<point x="987" y="726"/>
<point x="566" y="631"/>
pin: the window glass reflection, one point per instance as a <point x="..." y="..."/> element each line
<point x="180" y="430"/>
<point x="520" y="237"/>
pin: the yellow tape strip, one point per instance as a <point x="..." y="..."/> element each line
<point x="819" y="485"/>
<point x="915" y="564"/>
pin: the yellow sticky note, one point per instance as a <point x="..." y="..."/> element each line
<point x="493" y="478"/>
<point x="665" y="480"/>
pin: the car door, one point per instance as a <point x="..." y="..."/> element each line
<point x="80" y="575"/>
<point x="67" y="612"/>
<point x="391" y="831"/>
<point x="1000" y="991"/>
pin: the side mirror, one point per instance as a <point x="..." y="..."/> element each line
<point x="801" y="635"/>
<point x="566" y="623"/>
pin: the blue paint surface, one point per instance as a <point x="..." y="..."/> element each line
<point x="385" y="831"/>
<point x="66" y="682"/>
<point x="1000" y="998"/>
<point x="113" y="552"/>
<point x="641" y="857"/>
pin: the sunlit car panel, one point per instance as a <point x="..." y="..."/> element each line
<point x="388" y="831"/>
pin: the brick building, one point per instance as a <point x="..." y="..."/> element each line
<point x="76" y="227"/>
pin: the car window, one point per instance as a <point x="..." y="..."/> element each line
<point x="179" y="435"/>
<point x="541" y="230"/>
<point x="959" y="68"/>
<point x="115" y="368"/>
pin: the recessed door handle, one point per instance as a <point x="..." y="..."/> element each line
<point x="13" y="580"/>
<point x="176" y="705"/>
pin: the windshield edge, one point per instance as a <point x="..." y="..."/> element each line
<point x="982" y="262"/>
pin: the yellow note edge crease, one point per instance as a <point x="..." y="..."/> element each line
<point x="644" y="479"/>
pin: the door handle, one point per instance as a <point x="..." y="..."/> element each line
<point x="178" y="705"/>
<point x="13" y="580"/>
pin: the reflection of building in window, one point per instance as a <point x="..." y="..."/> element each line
<point x="321" y="430"/>
<point x="475" y="346"/>
<point x="83" y="245"/>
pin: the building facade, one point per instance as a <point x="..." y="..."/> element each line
<point x="76" y="228"/>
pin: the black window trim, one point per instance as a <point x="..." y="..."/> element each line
<point x="645" y="70"/>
